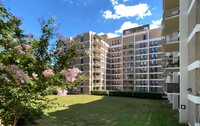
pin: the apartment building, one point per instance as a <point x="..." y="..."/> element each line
<point x="181" y="22"/>
<point x="93" y="64"/>
<point x="171" y="63"/>
<point x="114" y="80"/>
<point x="142" y="56"/>
<point x="131" y="62"/>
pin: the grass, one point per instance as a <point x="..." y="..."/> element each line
<point x="89" y="110"/>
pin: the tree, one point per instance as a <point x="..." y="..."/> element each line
<point x="28" y="69"/>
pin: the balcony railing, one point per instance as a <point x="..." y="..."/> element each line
<point x="97" y="77"/>
<point x="171" y="87"/>
<point x="172" y="62"/>
<point x="172" y="37"/>
<point x="98" y="56"/>
<point x="172" y="11"/>
<point x="96" y="47"/>
<point x="97" y="41"/>
<point x="97" y="62"/>
<point x="97" y="70"/>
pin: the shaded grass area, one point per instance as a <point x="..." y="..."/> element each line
<point x="89" y="110"/>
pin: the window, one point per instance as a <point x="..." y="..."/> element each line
<point x="144" y="44"/>
<point x="113" y="43"/>
<point x="152" y="56"/>
<point x="155" y="56"/>
<point x="81" y="60"/>
<point x="144" y="57"/>
<point x="144" y="37"/>
<point x="141" y="63"/>
<point x="156" y="69"/>
<point x="156" y="63"/>
<point x="152" y="50"/>
<point x="141" y="57"/>
<point x="82" y="68"/>
<point x="145" y="63"/>
<point x="156" y="82"/>
<point x="155" y="43"/>
<point x="141" y="51"/>
<point x="156" y="89"/>
<point x="140" y="45"/>
<point x="145" y="50"/>
<point x="151" y="43"/>
<point x="155" y="49"/>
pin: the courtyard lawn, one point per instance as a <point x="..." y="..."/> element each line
<point x="90" y="110"/>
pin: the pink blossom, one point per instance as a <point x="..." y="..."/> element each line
<point x="19" y="49"/>
<point x="48" y="73"/>
<point x="26" y="46"/>
<point x="62" y="92"/>
<point x="34" y="75"/>
<point x="70" y="74"/>
<point x="18" y="73"/>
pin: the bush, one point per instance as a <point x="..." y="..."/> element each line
<point x="121" y="93"/>
<point x="149" y="95"/>
<point x="99" y="92"/>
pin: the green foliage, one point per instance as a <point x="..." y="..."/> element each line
<point x="148" y="95"/>
<point x="121" y="93"/>
<point x="27" y="72"/>
<point x="99" y="92"/>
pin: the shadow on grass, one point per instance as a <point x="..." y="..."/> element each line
<point x="113" y="111"/>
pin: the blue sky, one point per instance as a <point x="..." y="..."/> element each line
<point x="78" y="16"/>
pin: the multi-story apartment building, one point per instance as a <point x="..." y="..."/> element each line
<point x="93" y="64"/>
<point x="171" y="50"/>
<point x="114" y="80"/>
<point x="142" y="59"/>
<point x="181" y="21"/>
<point x="131" y="62"/>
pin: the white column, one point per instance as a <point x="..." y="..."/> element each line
<point x="183" y="46"/>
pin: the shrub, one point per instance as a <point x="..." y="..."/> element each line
<point x="99" y="92"/>
<point x="121" y="93"/>
<point x="149" y="95"/>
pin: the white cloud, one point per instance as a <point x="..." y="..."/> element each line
<point x="110" y="35"/>
<point x="126" y="0"/>
<point x="155" y="24"/>
<point x="127" y="25"/>
<point x="114" y="2"/>
<point x="121" y="10"/>
<point x="108" y="14"/>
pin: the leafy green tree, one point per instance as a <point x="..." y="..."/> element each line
<point x="28" y="69"/>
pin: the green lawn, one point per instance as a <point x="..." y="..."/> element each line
<point x="89" y="110"/>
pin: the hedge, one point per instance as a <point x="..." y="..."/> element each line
<point x="121" y="93"/>
<point x="99" y="92"/>
<point x="148" y="95"/>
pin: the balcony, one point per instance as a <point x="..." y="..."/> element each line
<point x="97" y="77"/>
<point x="171" y="64"/>
<point x="171" y="87"/>
<point x="96" y="56"/>
<point x="172" y="12"/>
<point x="97" y="42"/>
<point x="97" y="63"/>
<point x="97" y="49"/>
<point x="171" y="43"/>
<point x="97" y="70"/>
